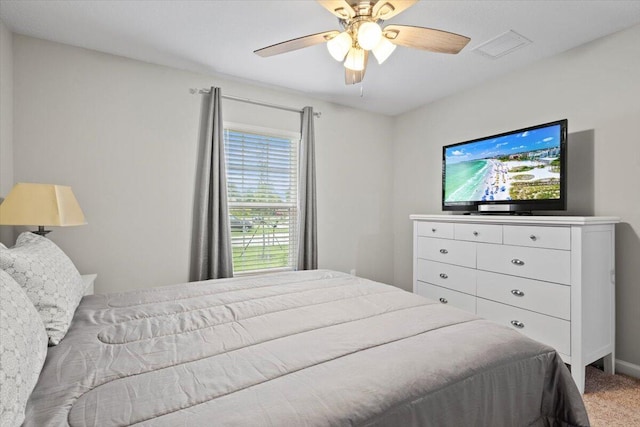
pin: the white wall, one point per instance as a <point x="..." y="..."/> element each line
<point x="6" y="121"/>
<point x="124" y="135"/>
<point x="596" y="87"/>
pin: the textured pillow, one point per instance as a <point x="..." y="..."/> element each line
<point x="23" y="348"/>
<point x="49" y="279"/>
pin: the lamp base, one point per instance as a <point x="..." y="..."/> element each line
<point x="41" y="231"/>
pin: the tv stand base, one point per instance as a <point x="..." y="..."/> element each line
<point x="500" y="213"/>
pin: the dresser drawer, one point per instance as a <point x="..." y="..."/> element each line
<point x="552" y="299"/>
<point x="442" y="230"/>
<point x="478" y="233"/>
<point x="447" y="296"/>
<point x="549" y="330"/>
<point x="550" y="265"/>
<point x="538" y="237"/>
<point x="447" y="251"/>
<point x="449" y="276"/>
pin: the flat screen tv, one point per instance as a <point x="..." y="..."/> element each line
<point x="519" y="171"/>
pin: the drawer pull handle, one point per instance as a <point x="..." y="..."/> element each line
<point x="433" y="230"/>
<point x="444" y="276"/>
<point x="444" y="251"/>
<point x="443" y="300"/>
<point x="517" y="292"/>
<point x="475" y="233"/>
<point x="533" y="237"/>
<point x="518" y="262"/>
<point x="517" y="324"/>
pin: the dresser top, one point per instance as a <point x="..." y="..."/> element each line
<point x="520" y="219"/>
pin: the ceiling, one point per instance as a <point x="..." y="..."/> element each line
<point x="220" y="37"/>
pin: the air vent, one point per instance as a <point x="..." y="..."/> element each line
<point x="502" y="44"/>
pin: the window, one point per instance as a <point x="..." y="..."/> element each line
<point x="262" y="181"/>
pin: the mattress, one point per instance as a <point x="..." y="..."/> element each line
<point x="311" y="348"/>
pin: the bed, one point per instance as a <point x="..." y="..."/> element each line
<point x="311" y="348"/>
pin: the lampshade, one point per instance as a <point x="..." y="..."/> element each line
<point x="355" y="59"/>
<point x="340" y="45"/>
<point x="383" y="50"/>
<point x="369" y="34"/>
<point x="41" y="204"/>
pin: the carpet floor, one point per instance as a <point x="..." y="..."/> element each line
<point x="612" y="400"/>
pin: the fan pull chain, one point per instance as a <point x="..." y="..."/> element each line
<point x="361" y="90"/>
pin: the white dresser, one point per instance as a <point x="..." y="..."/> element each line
<point x="549" y="277"/>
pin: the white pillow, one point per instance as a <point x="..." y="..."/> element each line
<point x="23" y="348"/>
<point x="49" y="279"/>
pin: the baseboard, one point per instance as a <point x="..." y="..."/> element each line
<point x="627" y="368"/>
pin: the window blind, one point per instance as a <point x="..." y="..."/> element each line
<point x="262" y="191"/>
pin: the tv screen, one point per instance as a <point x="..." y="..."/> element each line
<point x="520" y="170"/>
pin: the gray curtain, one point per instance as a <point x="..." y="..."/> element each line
<point x="212" y="254"/>
<point x="307" y="222"/>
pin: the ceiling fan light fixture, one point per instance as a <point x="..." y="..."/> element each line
<point x="340" y="45"/>
<point x="383" y="50"/>
<point x="355" y="59"/>
<point x="361" y="34"/>
<point x="369" y="35"/>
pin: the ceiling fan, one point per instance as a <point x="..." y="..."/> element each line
<point x="362" y="34"/>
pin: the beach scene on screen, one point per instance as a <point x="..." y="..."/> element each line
<point x="521" y="166"/>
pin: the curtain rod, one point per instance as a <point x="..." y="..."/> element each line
<point x="251" y="101"/>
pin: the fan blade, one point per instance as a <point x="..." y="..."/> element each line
<point x="385" y="9"/>
<point x="352" y="77"/>
<point x="296" y="44"/>
<point x="425" y="38"/>
<point x="341" y="8"/>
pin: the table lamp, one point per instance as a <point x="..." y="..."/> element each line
<point x="41" y="205"/>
